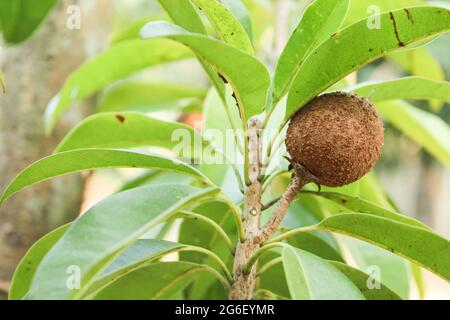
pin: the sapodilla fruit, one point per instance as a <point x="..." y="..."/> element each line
<point x="337" y="137"/>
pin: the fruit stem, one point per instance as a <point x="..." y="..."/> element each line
<point x="301" y="177"/>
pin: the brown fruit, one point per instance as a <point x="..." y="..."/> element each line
<point x="337" y="137"/>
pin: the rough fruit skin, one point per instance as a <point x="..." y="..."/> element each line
<point x="338" y="137"/>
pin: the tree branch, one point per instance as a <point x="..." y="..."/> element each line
<point x="301" y="177"/>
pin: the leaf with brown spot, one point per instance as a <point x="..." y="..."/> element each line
<point x="333" y="61"/>
<point x="120" y="118"/>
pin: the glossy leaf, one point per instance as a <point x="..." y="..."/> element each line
<point x="361" y="280"/>
<point x="20" y="18"/>
<point x="392" y="269"/>
<point x="405" y="88"/>
<point x="184" y="14"/>
<point x="239" y="10"/>
<point x="331" y="62"/>
<point x="426" y="129"/>
<point x="226" y="24"/>
<point x="363" y="9"/>
<point x="274" y="278"/>
<point x="320" y="20"/>
<point x="420" y="62"/>
<point x="104" y="69"/>
<point x="155" y="177"/>
<point x="158" y="281"/>
<point x="416" y="244"/>
<point x="202" y="235"/>
<point x="129" y="130"/>
<point x="308" y="210"/>
<point x="149" y="97"/>
<point x="248" y="77"/>
<point x="312" y="278"/>
<point x="97" y="237"/>
<point x="316" y="245"/>
<point x="360" y="205"/>
<point x="139" y="254"/>
<point x="23" y="276"/>
<point x="88" y="159"/>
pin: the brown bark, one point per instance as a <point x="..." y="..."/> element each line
<point x="244" y="270"/>
<point x="244" y="284"/>
<point x="34" y="72"/>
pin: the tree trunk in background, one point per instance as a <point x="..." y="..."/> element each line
<point x="34" y="72"/>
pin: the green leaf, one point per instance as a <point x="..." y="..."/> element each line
<point x="359" y="9"/>
<point x="158" y="281"/>
<point x="274" y="278"/>
<point x="156" y="177"/>
<point x="88" y="159"/>
<point x="426" y="129"/>
<point x="216" y="127"/>
<point x="394" y="269"/>
<point x="331" y="61"/>
<point x="113" y="64"/>
<point x="184" y="14"/>
<point x="202" y="235"/>
<point x="391" y="269"/>
<point x="130" y="130"/>
<point x="316" y="245"/>
<point x="23" y="276"/>
<point x="2" y="81"/>
<point x="312" y="278"/>
<point x="226" y="24"/>
<point x="20" y="18"/>
<point x="371" y="190"/>
<point x="405" y="88"/>
<point x="248" y="77"/>
<point x="416" y="244"/>
<point x="95" y="239"/>
<point x="238" y="9"/>
<point x="321" y="19"/>
<point x="132" y="31"/>
<point x="139" y="254"/>
<point x="361" y="279"/>
<point x="149" y="97"/>
<point x="308" y="210"/>
<point x="359" y="205"/>
<point x="418" y="277"/>
<point x="420" y="62"/>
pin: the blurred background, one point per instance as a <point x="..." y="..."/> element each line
<point x="36" y="69"/>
